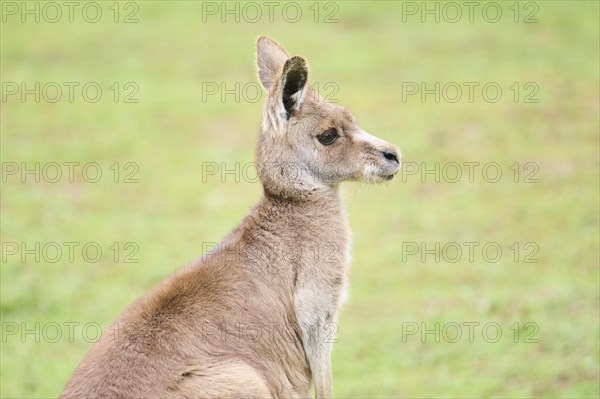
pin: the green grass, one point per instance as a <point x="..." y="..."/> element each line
<point x="369" y="53"/>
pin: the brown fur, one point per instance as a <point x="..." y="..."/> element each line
<point x="255" y="318"/>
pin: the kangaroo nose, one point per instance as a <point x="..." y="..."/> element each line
<point x="390" y="156"/>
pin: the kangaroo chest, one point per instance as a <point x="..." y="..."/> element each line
<point x="320" y="284"/>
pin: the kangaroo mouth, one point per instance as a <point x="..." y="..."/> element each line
<point x="389" y="174"/>
<point x="379" y="173"/>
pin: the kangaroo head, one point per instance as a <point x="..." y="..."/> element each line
<point x="307" y="144"/>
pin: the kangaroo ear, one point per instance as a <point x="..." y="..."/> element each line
<point x="293" y="80"/>
<point x="270" y="58"/>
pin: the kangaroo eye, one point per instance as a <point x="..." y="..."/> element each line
<point x="328" y="136"/>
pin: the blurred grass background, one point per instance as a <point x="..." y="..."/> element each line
<point x="369" y="53"/>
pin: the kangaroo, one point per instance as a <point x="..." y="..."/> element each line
<point x="255" y="317"/>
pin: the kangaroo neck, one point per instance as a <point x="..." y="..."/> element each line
<point x="315" y="208"/>
<point x="313" y="234"/>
